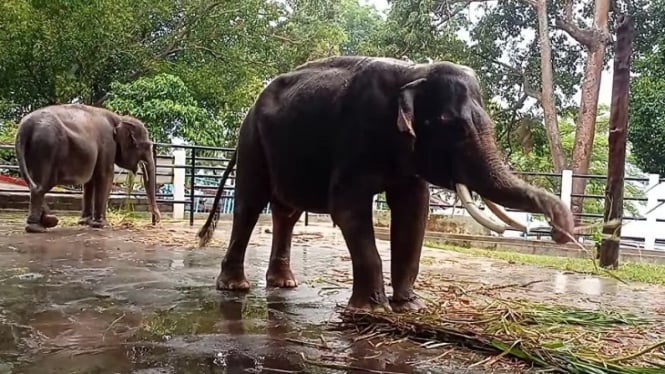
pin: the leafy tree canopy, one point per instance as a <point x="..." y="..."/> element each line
<point x="168" y="108"/>
<point x="191" y="69"/>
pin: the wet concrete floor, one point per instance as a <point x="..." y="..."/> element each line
<point x="77" y="300"/>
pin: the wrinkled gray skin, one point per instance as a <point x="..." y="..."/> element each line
<point x="79" y="144"/>
<point x="329" y="135"/>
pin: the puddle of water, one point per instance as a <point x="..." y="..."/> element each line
<point x="81" y="306"/>
<point x="95" y="303"/>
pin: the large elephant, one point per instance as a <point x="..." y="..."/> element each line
<point x="333" y="132"/>
<point x="79" y="144"/>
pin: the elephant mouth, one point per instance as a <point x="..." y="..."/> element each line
<point x="482" y="217"/>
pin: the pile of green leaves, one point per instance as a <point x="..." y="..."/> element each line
<point x="558" y="338"/>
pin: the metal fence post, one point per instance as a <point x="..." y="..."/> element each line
<point x="652" y="205"/>
<point x="191" y="187"/>
<point x="567" y="187"/>
<point x="306" y="218"/>
<point x="179" y="160"/>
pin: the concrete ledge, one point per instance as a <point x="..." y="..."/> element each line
<point x="67" y="202"/>
<point x="526" y="246"/>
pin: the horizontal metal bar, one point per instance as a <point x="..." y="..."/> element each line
<point x="194" y="147"/>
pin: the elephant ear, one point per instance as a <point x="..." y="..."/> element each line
<point x="405" y="102"/>
<point x="124" y="133"/>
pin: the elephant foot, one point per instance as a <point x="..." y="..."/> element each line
<point x="49" y="220"/>
<point x="280" y="276"/>
<point x="85" y="221"/>
<point x="35" y="228"/>
<point x="281" y="280"/>
<point x="409" y="305"/>
<point x="232" y="281"/>
<point x="98" y="224"/>
<point x="368" y="305"/>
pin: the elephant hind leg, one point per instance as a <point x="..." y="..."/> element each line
<point x="279" y="272"/>
<point x="245" y="215"/>
<point x="252" y="193"/>
<point x="48" y="219"/>
<point x="39" y="163"/>
<point x="86" y="209"/>
<point x="38" y="218"/>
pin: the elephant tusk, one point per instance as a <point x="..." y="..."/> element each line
<point x="503" y="215"/>
<point x="475" y="212"/>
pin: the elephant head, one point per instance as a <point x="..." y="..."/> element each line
<point x="134" y="148"/>
<point x="442" y="114"/>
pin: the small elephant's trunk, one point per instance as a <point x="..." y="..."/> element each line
<point x="150" y="180"/>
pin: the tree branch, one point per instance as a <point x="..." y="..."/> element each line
<point x="583" y="36"/>
<point x="445" y="12"/>
<point x="517" y="72"/>
<point x="186" y="27"/>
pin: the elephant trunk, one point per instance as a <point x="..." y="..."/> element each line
<point x="492" y="179"/>
<point x="149" y="180"/>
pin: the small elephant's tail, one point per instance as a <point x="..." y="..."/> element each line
<point x="208" y="229"/>
<point x="21" y="152"/>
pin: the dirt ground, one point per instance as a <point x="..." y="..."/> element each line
<point x="141" y="299"/>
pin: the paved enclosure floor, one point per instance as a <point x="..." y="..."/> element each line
<point x="142" y="300"/>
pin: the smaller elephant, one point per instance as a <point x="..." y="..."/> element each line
<point x="79" y="144"/>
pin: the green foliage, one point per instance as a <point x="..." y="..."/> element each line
<point x="168" y="108"/>
<point x="647" y="124"/>
<point x="191" y="69"/>
<point x="539" y="160"/>
<point x="218" y="55"/>
<point x="7" y="135"/>
<point x="646" y="129"/>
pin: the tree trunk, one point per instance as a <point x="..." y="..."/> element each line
<point x="547" y="96"/>
<point x="595" y="40"/>
<point x="609" y="249"/>
<point x="586" y="125"/>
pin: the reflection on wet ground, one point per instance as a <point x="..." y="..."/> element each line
<point x="81" y="301"/>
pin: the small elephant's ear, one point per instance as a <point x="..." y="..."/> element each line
<point x="405" y="111"/>
<point x="124" y="132"/>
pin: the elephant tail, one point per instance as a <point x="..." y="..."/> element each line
<point x="21" y="152"/>
<point x="208" y="229"/>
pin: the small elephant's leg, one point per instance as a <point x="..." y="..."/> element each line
<point x="353" y="215"/>
<point x="279" y="271"/>
<point x="409" y="206"/>
<point x="48" y="220"/>
<point x="86" y="209"/>
<point x="34" y="221"/>
<point x="102" y="191"/>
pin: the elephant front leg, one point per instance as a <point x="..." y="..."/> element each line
<point x="409" y="206"/>
<point x="279" y="272"/>
<point x="353" y="215"/>
<point x="86" y="209"/>
<point x="102" y="191"/>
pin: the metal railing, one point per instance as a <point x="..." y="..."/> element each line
<point x="204" y="165"/>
